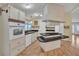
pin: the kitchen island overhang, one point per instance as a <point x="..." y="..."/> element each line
<point x="50" y="41"/>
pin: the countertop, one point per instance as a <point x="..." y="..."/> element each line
<point x="76" y="34"/>
<point x="48" y="34"/>
<point x="47" y="37"/>
<point x="30" y="31"/>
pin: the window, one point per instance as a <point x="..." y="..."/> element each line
<point x="28" y="26"/>
<point x="77" y="27"/>
<point x="73" y="28"/>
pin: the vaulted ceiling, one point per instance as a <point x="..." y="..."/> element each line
<point x="73" y="8"/>
<point x="69" y="6"/>
<point x="38" y="8"/>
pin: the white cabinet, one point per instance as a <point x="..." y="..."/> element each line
<point x="62" y="28"/>
<point x="11" y="12"/>
<point x="17" y="50"/>
<point x="15" y="13"/>
<point x="28" y="39"/>
<point x="17" y="45"/>
<point x="42" y="26"/>
<point x="21" y="15"/>
<point x="57" y="28"/>
<point x="33" y="37"/>
<point x="36" y="35"/>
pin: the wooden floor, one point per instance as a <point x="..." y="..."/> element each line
<point x="66" y="50"/>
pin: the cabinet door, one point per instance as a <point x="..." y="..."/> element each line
<point x="21" y="16"/>
<point x="33" y="37"/>
<point x="34" y="23"/>
<point x="17" y="50"/>
<point x="13" y="13"/>
<point x="57" y="28"/>
<point x="16" y="14"/>
<point x="36" y="34"/>
<point x="17" y="45"/>
<point x="28" y="40"/>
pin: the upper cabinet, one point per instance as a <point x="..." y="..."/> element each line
<point x="34" y="22"/>
<point x="21" y="15"/>
<point x="16" y="13"/>
<point x="13" y="13"/>
<point x="35" y="25"/>
<point x="54" y="12"/>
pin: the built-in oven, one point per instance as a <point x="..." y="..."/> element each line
<point x="16" y="30"/>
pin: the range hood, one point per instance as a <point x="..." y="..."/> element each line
<point x="54" y="13"/>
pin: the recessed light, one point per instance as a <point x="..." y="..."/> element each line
<point x="28" y="6"/>
<point x="36" y="14"/>
<point x="41" y="15"/>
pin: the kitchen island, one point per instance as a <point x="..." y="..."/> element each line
<point x="50" y="41"/>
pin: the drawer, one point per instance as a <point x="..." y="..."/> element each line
<point x="20" y="49"/>
<point x="17" y="50"/>
<point x="20" y="41"/>
<point x="17" y="42"/>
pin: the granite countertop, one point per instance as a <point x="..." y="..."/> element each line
<point x="50" y="30"/>
<point x="47" y="37"/>
<point x="48" y="34"/>
<point x="30" y="31"/>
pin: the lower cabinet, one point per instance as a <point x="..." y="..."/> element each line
<point x="33" y="37"/>
<point x="36" y="35"/>
<point x="28" y="39"/>
<point x="17" y="45"/>
<point x="17" y="50"/>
